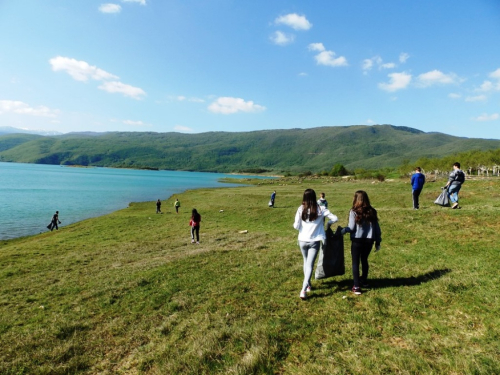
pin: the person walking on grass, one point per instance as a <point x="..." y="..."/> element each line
<point x="417" y="184"/>
<point x="177" y="204"/>
<point x="454" y="184"/>
<point x="322" y="201"/>
<point x="195" y="225"/>
<point x="309" y="221"/>
<point x="273" y="197"/>
<point x="158" y="206"/>
<point x="365" y="231"/>
<point x="54" y="222"/>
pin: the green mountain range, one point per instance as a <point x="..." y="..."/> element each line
<point x="292" y="150"/>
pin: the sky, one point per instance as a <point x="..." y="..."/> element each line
<point x="195" y="66"/>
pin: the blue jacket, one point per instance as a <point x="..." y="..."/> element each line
<point x="417" y="181"/>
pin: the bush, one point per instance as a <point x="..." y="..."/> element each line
<point x="339" y="170"/>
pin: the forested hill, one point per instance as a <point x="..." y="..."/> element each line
<point x="294" y="150"/>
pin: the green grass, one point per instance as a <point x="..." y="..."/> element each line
<point x="128" y="293"/>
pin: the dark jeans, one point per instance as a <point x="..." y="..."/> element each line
<point x="416" y="194"/>
<point x="360" y="249"/>
<point x="197" y="230"/>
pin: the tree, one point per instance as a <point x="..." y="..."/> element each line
<point x="339" y="170"/>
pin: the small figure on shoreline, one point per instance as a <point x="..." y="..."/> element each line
<point x="195" y="225"/>
<point x="54" y="222"/>
<point x="158" y="206"/>
<point x="177" y="204"/>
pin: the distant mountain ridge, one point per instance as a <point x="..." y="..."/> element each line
<point x="293" y="150"/>
<point x="10" y="130"/>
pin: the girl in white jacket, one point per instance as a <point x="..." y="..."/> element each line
<point x="309" y="221"/>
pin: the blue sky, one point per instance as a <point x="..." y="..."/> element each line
<point x="195" y="66"/>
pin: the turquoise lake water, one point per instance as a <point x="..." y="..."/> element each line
<point x="31" y="193"/>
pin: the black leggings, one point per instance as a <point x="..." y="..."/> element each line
<point x="360" y="250"/>
<point x="196" y="230"/>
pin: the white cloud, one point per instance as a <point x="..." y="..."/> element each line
<point x="495" y="74"/>
<point x="196" y="100"/>
<point x="79" y="70"/>
<point x="387" y="66"/>
<point x="135" y="123"/>
<point x="486" y="117"/>
<point x="228" y="105"/>
<point x="436" y="77"/>
<point x="397" y="81"/>
<point x="83" y="71"/>
<point x="325" y="57"/>
<point x="295" y="21"/>
<point x="369" y="122"/>
<point x="303" y="74"/>
<point x="486" y="86"/>
<point x="110" y="8"/>
<point x="316" y="47"/>
<point x="403" y="57"/>
<point x="282" y="39"/>
<point x="328" y="58"/>
<point x="478" y="98"/>
<point x="454" y="95"/>
<point x="368" y="64"/>
<point x="489" y="86"/>
<point x="142" y="2"/>
<point x="18" y="107"/>
<point x="119" y="87"/>
<point x="182" y="98"/>
<point x="181" y="128"/>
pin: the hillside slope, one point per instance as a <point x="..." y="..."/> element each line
<point x="292" y="150"/>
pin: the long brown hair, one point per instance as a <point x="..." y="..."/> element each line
<point x="362" y="208"/>
<point x="309" y="205"/>
<point x="195" y="216"/>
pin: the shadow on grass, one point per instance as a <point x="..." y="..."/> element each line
<point x="390" y="283"/>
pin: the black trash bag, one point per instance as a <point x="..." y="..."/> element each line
<point x="331" y="256"/>
<point x="443" y="199"/>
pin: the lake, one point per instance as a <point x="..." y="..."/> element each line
<point x="31" y="193"/>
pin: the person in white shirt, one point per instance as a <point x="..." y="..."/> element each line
<point x="309" y="222"/>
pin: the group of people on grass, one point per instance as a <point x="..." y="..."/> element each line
<point x="363" y="226"/>
<point x="453" y="186"/>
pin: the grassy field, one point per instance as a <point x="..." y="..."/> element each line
<point x="128" y="293"/>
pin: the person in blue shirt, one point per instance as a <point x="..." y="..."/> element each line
<point x="417" y="184"/>
<point x="273" y="197"/>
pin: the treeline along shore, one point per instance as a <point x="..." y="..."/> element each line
<point x="129" y="293"/>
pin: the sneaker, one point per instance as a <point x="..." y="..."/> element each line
<point x="303" y="295"/>
<point x="455" y="205"/>
<point x="356" y="290"/>
<point x="192" y="241"/>
<point x="197" y="242"/>
<point x="308" y="289"/>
